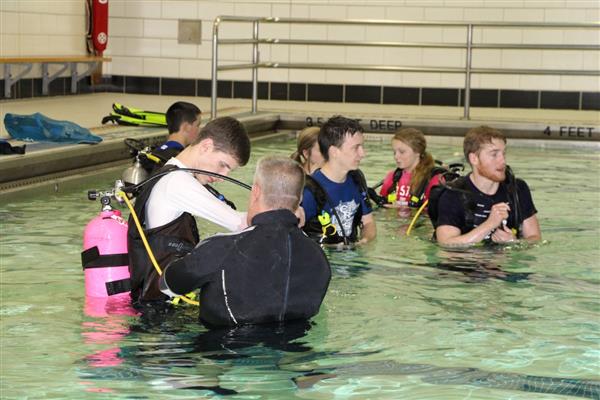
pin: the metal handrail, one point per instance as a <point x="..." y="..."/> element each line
<point x="469" y="46"/>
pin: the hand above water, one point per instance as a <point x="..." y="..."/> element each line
<point x="498" y="213"/>
<point x="503" y="235"/>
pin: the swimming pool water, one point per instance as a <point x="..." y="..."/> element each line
<point x="402" y="318"/>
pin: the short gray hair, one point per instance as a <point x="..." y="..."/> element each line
<point x="281" y="181"/>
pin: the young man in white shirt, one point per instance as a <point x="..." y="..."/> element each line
<point x="166" y="207"/>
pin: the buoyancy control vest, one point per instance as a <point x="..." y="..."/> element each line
<point x="417" y="196"/>
<point x="168" y="242"/>
<point x="469" y="200"/>
<point x="320" y="227"/>
<point x="157" y="157"/>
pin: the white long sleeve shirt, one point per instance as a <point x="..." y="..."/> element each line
<point x="179" y="192"/>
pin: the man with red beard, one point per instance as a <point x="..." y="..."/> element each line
<point x="489" y="204"/>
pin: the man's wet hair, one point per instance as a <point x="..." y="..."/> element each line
<point x="334" y="131"/>
<point x="229" y="136"/>
<point x="180" y="112"/>
<point x="281" y="180"/>
<point x="477" y="137"/>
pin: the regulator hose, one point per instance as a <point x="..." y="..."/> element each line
<point x="133" y="189"/>
<point x="419" y="211"/>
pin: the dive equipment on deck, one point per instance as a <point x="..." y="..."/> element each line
<point x="129" y="116"/>
<point x="40" y="128"/>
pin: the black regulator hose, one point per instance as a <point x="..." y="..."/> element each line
<point x="133" y="189"/>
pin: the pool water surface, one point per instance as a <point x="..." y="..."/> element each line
<point x="402" y="318"/>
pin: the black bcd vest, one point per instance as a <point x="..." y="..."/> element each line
<point x="168" y="242"/>
<point x="469" y="200"/>
<point x="324" y="234"/>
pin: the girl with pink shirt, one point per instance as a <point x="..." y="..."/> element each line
<point x="409" y="184"/>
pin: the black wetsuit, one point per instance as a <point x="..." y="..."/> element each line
<point x="270" y="272"/>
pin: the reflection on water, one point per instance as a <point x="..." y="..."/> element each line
<point x="403" y="318"/>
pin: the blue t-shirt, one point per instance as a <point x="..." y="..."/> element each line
<point x="171" y="144"/>
<point x="346" y="198"/>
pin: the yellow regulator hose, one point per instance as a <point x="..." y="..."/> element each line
<point x="419" y="211"/>
<point x="185" y="298"/>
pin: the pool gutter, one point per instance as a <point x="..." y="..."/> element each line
<point x="52" y="163"/>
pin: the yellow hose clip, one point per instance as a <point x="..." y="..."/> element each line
<point x="327" y="227"/>
<point x="392" y="197"/>
<point x="152" y="157"/>
<point x="191" y="296"/>
<point x="324" y="218"/>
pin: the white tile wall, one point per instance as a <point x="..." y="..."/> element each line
<point x="157" y="28"/>
<point x="444" y="14"/>
<point x="529" y="59"/>
<point x="125" y="28"/>
<point x="591" y="60"/>
<point x="116" y="8"/>
<point x="345" y="77"/>
<point x="403" y="56"/>
<point x="9" y="5"/>
<point x="496" y="81"/>
<point x="483" y="14"/>
<point x="9" y="45"/>
<point x="444" y="57"/>
<point x="274" y="75"/>
<point x="143" y="47"/>
<point x="383" y="78"/>
<point x="164" y="67"/>
<point x="385" y="33"/>
<point x="252" y="10"/>
<point x="555" y="59"/>
<point x="417" y="79"/>
<point x="141" y="8"/>
<point x="9" y="24"/>
<point x="580" y="83"/>
<point x="405" y="13"/>
<point x="543" y="36"/>
<point x="364" y="55"/>
<point x="127" y="65"/>
<point x="308" y="76"/>
<point x="349" y="32"/>
<point x="171" y="49"/>
<point x="196" y="69"/>
<point x="143" y="38"/>
<point x="565" y="15"/>
<point x="545" y="82"/>
<point x="327" y="12"/>
<point x="365" y="12"/>
<point x="174" y="9"/>
<point x="326" y="54"/>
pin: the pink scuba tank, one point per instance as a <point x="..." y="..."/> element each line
<point x="104" y="257"/>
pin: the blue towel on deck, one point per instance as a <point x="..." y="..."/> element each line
<point x="39" y="128"/>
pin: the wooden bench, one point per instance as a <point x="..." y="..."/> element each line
<point x="66" y="61"/>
